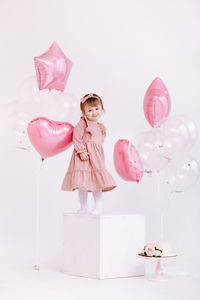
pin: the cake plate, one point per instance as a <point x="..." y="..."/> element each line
<point x="159" y="274"/>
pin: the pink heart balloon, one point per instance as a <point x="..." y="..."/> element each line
<point x="127" y="161"/>
<point x="49" y="137"/>
<point x="52" y="69"/>
<point x="157" y="102"/>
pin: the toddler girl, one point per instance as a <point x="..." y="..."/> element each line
<point x="87" y="171"/>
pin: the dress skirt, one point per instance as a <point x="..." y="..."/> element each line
<point x="91" y="173"/>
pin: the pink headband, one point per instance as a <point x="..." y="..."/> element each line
<point x="87" y="97"/>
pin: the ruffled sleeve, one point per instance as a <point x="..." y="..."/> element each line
<point x="103" y="132"/>
<point x="78" y="133"/>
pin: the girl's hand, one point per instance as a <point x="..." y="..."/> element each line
<point x="84" y="155"/>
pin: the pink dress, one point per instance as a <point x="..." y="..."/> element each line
<point x="91" y="174"/>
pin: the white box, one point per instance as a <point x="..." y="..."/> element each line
<point x="103" y="246"/>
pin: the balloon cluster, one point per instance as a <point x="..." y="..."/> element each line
<point x="163" y="150"/>
<point x="42" y="99"/>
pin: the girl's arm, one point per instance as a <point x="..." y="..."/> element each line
<point x="78" y="133"/>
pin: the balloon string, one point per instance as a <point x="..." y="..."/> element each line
<point x="163" y="215"/>
<point x="37" y="220"/>
<point x="158" y="190"/>
<point x="158" y="195"/>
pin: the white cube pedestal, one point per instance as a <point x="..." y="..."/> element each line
<point x="104" y="246"/>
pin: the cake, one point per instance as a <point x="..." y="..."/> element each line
<point x="157" y="250"/>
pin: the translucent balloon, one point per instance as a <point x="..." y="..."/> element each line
<point x="52" y="104"/>
<point x="65" y="107"/>
<point x="182" y="174"/>
<point x="17" y="129"/>
<point x="28" y="89"/>
<point x="177" y="135"/>
<point x="147" y="146"/>
<point x="41" y="103"/>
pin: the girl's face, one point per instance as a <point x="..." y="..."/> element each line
<point x="93" y="113"/>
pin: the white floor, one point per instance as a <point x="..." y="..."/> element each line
<point x="22" y="282"/>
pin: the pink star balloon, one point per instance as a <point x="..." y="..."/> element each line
<point x="157" y="102"/>
<point x="52" y="69"/>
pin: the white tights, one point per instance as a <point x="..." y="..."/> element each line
<point x="83" y="195"/>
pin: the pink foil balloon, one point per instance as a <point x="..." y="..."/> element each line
<point x="52" y="69"/>
<point x="50" y="137"/>
<point x="156" y="103"/>
<point x="127" y="161"/>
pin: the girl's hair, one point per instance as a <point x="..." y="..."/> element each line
<point x="94" y="100"/>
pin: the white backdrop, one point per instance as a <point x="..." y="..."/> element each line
<point x="117" y="49"/>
